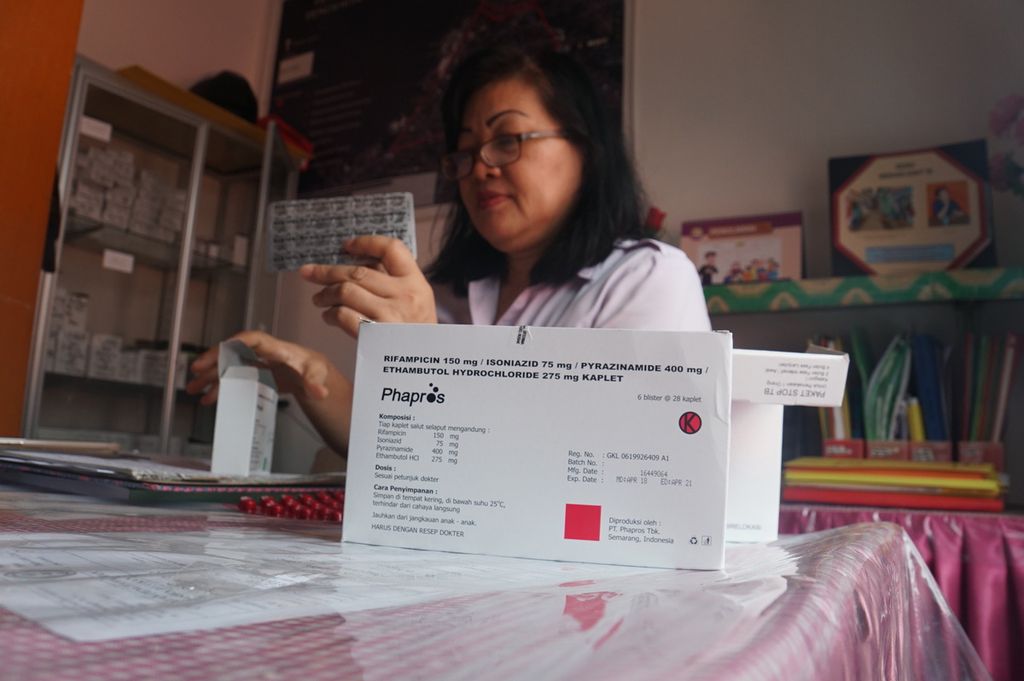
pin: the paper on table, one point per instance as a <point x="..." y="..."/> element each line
<point x="106" y="586"/>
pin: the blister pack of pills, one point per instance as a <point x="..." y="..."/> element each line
<point x="319" y="506"/>
<point x="313" y="230"/>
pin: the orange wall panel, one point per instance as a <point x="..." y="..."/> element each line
<point x="37" y="51"/>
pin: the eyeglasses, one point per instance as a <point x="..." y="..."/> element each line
<point x="496" y="152"/>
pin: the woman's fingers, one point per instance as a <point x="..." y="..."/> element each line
<point x="210" y="396"/>
<point x="269" y="349"/>
<point x="305" y="365"/>
<point x="364" y="302"/>
<point x="295" y="368"/>
<point x="380" y="283"/>
<point x="204" y="370"/>
<point x="396" y="258"/>
<point x="396" y="291"/>
<point x="345" y="318"/>
<point x="202" y="380"/>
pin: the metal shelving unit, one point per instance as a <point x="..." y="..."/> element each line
<point x="163" y="198"/>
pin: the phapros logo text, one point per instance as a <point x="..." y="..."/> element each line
<point x="409" y="397"/>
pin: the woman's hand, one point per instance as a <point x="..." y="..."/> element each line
<point x="297" y="370"/>
<point x="323" y="393"/>
<point x="394" y="290"/>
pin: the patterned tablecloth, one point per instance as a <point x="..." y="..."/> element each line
<point x="90" y="590"/>
<point x="977" y="560"/>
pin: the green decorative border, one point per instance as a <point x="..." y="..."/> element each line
<point x="953" y="285"/>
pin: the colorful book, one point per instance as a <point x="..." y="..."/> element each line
<point x="930" y="484"/>
<point x="909" y="484"/>
<point x="928" y="380"/>
<point x="982" y="360"/>
<point x="1011" y="357"/>
<point x="886" y="388"/>
<point x="890" y="499"/>
<point x="965" y="414"/>
<point x="891" y="466"/>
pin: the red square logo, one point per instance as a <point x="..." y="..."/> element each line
<point x="583" y="522"/>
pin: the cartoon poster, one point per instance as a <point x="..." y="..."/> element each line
<point x="755" y="248"/>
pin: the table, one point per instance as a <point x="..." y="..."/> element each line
<point x="247" y="597"/>
<point x="977" y="560"/>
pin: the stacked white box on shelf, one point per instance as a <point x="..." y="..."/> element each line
<point x="129" y="369"/>
<point x="181" y="370"/>
<point x="98" y="168"/>
<point x="172" y="215"/>
<point x="95" y="176"/>
<point x="72" y="352"/>
<point x="104" y="188"/>
<point x="148" y="203"/>
<point x="122" y="165"/>
<point x="104" y="357"/>
<point x="67" y="335"/>
<point x="57" y="317"/>
<point x="117" y="207"/>
<point x="118" y="199"/>
<point x="159" y="208"/>
<point x="87" y="200"/>
<point x="153" y="366"/>
<point x="76" y="312"/>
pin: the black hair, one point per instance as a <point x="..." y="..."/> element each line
<point x="610" y="202"/>
<point x="230" y="91"/>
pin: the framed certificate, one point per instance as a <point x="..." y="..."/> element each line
<point x="912" y="211"/>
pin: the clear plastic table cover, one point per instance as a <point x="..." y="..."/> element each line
<point x="96" y="590"/>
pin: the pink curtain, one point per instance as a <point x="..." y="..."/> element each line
<point x="977" y="560"/>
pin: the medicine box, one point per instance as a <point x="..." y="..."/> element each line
<point x="595" y="445"/>
<point x="763" y="383"/>
<point x="243" y="436"/>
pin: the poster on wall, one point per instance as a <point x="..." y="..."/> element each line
<point x="362" y="79"/>
<point x="913" y="211"/>
<point x="747" y="249"/>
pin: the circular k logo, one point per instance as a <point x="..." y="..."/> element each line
<point x="690" y="422"/>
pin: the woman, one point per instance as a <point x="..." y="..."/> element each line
<point x="547" y="231"/>
<point x="945" y="209"/>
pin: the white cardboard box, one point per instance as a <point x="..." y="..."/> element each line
<point x="129" y="367"/>
<point x="104" y="356"/>
<point x="763" y="382"/>
<point x="597" y="445"/>
<point x="243" y="435"/>
<point x="72" y="352"/>
<point x="152" y="366"/>
<point x="76" y="312"/>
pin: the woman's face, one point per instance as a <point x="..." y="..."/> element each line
<point x="518" y="208"/>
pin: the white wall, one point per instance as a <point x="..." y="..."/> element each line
<point x="183" y="41"/>
<point x="739" y="104"/>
